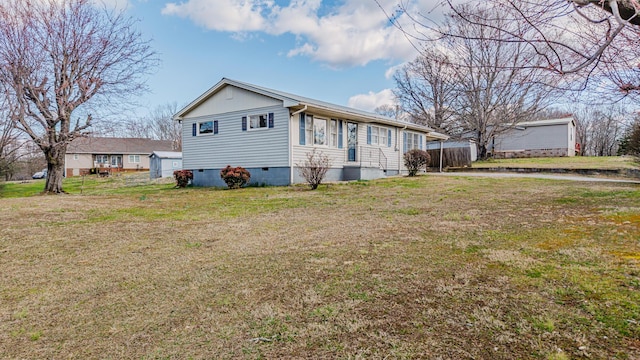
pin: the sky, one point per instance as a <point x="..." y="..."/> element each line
<point x="339" y="51"/>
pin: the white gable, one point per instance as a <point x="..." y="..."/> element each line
<point x="229" y="99"/>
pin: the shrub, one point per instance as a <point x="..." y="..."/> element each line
<point x="235" y="177"/>
<point x="315" y="168"/>
<point x="416" y="159"/>
<point x="183" y="177"/>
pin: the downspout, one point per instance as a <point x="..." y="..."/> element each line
<point x="441" y="153"/>
<point x="299" y="111"/>
<point x="291" y="122"/>
<point x="400" y="154"/>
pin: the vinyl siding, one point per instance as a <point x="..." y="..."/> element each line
<point x="258" y="148"/>
<point x="534" y="138"/>
<point x="231" y="99"/>
<point x="338" y="156"/>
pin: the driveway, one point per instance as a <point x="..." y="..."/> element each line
<point x="535" y="176"/>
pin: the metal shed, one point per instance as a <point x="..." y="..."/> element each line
<point x="164" y="163"/>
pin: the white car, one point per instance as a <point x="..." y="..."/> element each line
<point x="40" y="174"/>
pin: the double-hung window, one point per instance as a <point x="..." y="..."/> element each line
<point x="134" y="159"/>
<point x="412" y="141"/>
<point x="320" y="132"/>
<point x="377" y="135"/>
<point x="102" y="159"/>
<point x="333" y="133"/>
<point x="315" y="131"/>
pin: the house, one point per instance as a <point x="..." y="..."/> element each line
<point x="270" y="133"/>
<point x="111" y="154"/>
<point x="542" y="138"/>
<point x="162" y="164"/>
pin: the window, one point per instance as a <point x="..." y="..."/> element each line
<point x="75" y="156"/>
<point x="377" y="135"/>
<point x="205" y="127"/>
<point x="320" y="132"/>
<point x="134" y="159"/>
<point x="102" y="159"/>
<point x="258" y="121"/>
<point x="308" y="126"/>
<point x="412" y="141"/>
<point x="333" y="133"/>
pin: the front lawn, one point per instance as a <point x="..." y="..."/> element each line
<point x="576" y="162"/>
<point x="400" y="268"/>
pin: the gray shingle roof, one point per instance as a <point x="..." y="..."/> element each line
<point x="107" y="145"/>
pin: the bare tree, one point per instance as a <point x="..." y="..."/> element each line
<point x="9" y="144"/>
<point x="60" y="58"/>
<point x="600" y="128"/>
<point x="391" y="111"/>
<point x="579" y="39"/>
<point x="426" y="88"/>
<point x="474" y="85"/>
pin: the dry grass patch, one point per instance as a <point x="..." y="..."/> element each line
<point x="399" y="268"/>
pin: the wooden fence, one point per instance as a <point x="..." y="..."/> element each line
<point x="454" y="157"/>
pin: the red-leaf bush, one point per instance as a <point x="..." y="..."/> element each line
<point x="415" y="159"/>
<point x="235" y="177"/>
<point x="183" y="177"/>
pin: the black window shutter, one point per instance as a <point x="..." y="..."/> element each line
<point x="215" y="126"/>
<point x="194" y="129"/>
<point x="244" y="123"/>
<point x="340" y="135"/>
<point x="270" y="120"/>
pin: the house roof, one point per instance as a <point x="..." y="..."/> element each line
<point x="110" y="145"/>
<point x="548" y="122"/>
<point x="300" y="103"/>
<point x="167" y="154"/>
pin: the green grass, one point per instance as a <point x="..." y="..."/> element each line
<point x="425" y="267"/>
<point x="577" y="162"/>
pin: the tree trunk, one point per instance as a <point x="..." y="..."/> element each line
<point x="482" y="152"/>
<point x="55" y="169"/>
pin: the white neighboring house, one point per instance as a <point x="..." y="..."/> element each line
<point x="270" y="132"/>
<point x="542" y="138"/>
<point x="162" y="164"/>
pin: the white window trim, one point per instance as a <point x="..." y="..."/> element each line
<point x="333" y="142"/>
<point x="313" y="133"/>
<point x="310" y="130"/>
<point x="134" y="157"/>
<point x="106" y="157"/>
<point x="75" y="156"/>
<point x="414" y="144"/>
<point x="386" y="135"/>
<point x="249" y="128"/>
<point x="198" y="133"/>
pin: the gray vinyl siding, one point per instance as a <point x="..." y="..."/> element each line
<point x="260" y="148"/>
<point x="534" y="138"/>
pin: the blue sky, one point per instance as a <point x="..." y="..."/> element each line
<point x="337" y="51"/>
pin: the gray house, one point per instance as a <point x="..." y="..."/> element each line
<point x="270" y="132"/>
<point x="542" y="138"/>
<point x="162" y="164"/>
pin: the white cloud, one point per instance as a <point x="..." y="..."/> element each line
<point x="353" y="33"/>
<point x="371" y="100"/>
<point x="113" y="4"/>
<point x="223" y="15"/>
